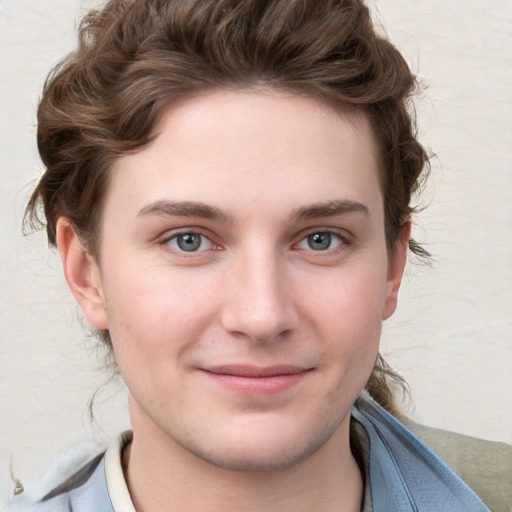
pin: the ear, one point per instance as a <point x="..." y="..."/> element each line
<point x="396" y="268"/>
<point x="82" y="274"/>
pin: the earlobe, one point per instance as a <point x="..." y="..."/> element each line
<point x="82" y="275"/>
<point x="395" y="271"/>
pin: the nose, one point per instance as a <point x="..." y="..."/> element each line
<point x="259" y="301"/>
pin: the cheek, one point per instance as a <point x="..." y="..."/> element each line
<point x="353" y="297"/>
<point x="156" y="315"/>
<point x="348" y="314"/>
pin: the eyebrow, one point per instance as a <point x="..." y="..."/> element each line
<point x="184" y="209"/>
<point x="195" y="209"/>
<point x="329" y="209"/>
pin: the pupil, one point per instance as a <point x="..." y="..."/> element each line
<point x="189" y="242"/>
<point x="319" y="241"/>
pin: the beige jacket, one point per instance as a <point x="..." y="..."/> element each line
<point x="486" y="466"/>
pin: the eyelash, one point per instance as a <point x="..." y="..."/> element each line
<point x="175" y="236"/>
<point x="344" y="242"/>
<point x="343" y="239"/>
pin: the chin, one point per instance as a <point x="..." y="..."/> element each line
<point x="254" y="461"/>
<point x="273" y="449"/>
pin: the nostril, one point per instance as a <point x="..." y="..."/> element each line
<point x="262" y="323"/>
<point x="257" y="301"/>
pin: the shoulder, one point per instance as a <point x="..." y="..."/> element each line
<point x="433" y="469"/>
<point x="83" y="491"/>
<point x="485" y="466"/>
<point x="97" y="486"/>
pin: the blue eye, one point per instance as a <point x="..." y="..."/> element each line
<point x="190" y="242"/>
<point x="320" y="241"/>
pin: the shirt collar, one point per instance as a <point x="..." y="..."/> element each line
<point x="114" y="475"/>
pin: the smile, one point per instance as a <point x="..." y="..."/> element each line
<point x="257" y="381"/>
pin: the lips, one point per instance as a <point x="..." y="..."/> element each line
<point x="255" y="380"/>
<point x="256" y="371"/>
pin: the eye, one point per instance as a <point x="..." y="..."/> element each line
<point x="320" y="241"/>
<point x="190" y="242"/>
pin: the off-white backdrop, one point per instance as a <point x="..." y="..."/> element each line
<point x="451" y="338"/>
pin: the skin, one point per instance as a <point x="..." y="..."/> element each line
<point x="260" y="179"/>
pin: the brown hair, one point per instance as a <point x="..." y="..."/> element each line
<point x="136" y="56"/>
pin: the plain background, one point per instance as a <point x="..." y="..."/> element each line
<point x="451" y="337"/>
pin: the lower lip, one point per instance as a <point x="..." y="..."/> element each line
<point x="258" y="386"/>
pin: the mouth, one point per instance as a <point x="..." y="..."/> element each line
<point x="255" y="380"/>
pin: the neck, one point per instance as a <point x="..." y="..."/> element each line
<point x="160" y="472"/>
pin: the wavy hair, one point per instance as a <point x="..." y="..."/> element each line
<point x="137" y="56"/>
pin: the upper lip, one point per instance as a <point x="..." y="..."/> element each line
<point x="256" y="371"/>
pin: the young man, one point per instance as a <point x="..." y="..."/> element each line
<point x="228" y="184"/>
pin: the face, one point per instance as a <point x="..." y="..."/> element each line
<point x="244" y="276"/>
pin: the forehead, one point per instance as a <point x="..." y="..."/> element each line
<point x="262" y="146"/>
